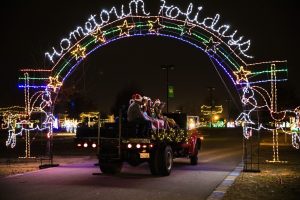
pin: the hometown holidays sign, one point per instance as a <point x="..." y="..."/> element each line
<point x="137" y="8"/>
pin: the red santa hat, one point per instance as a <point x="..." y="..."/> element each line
<point x="137" y="97"/>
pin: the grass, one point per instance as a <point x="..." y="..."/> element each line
<point x="275" y="181"/>
<point x="65" y="152"/>
<point x="20" y="166"/>
<point x="17" y="168"/>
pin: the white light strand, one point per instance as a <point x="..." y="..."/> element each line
<point x="17" y="124"/>
<point x="137" y="7"/>
<point x="249" y="101"/>
<point x="210" y="23"/>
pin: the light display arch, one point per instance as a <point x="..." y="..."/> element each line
<point x="224" y="47"/>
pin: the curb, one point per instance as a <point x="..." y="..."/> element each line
<point x="220" y="191"/>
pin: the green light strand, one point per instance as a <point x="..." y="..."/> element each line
<point x="269" y="71"/>
<point x="197" y="35"/>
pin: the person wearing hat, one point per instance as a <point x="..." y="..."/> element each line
<point x="158" y="107"/>
<point x="146" y="109"/>
<point x="135" y="113"/>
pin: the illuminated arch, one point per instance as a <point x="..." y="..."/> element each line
<point x="139" y="26"/>
<point x="218" y="50"/>
<point x="226" y="50"/>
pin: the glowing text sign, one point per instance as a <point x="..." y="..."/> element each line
<point x="137" y="7"/>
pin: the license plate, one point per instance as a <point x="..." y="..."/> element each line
<point x="144" y="155"/>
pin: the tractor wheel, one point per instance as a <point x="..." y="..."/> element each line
<point x="194" y="156"/>
<point x="166" y="161"/>
<point x="154" y="162"/>
<point x="110" y="166"/>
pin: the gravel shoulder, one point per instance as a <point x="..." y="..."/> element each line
<point x="275" y="181"/>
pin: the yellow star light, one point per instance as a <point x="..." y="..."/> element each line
<point x="155" y="26"/>
<point x="98" y="34"/>
<point x="241" y="75"/>
<point x="125" y="28"/>
<point x="79" y="52"/>
<point x="54" y="83"/>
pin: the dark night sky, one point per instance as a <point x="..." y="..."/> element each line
<point x="30" y="28"/>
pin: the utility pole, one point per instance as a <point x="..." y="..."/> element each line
<point x="167" y="68"/>
<point x="228" y="109"/>
<point x="210" y="90"/>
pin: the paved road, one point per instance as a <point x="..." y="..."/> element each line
<point x="220" y="154"/>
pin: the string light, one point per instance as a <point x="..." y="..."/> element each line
<point x="172" y="22"/>
<point x="174" y="12"/>
<point x="186" y="28"/>
<point x="207" y="110"/>
<point x="54" y="83"/>
<point x="79" y="52"/>
<point x="137" y="7"/>
<point x="11" y="109"/>
<point x="98" y="35"/>
<point x="211" y="45"/>
<point x="179" y="30"/>
<point x="35" y="70"/>
<point x="228" y="57"/>
<point x="155" y="26"/>
<point x="125" y="28"/>
<point x="267" y="62"/>
<point x="19" y="123"/>
<point x="249" y="101"/>
<point x="242" y="75"/>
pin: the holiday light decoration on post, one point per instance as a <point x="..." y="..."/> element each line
<point x="219" y="42"/>
<point x="274" y="110"/>
<point x="17" y="123"/>
<point x="250" y="94"/>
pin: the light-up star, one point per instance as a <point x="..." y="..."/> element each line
<point x="211" y="45"/>
<point x="155" y="26"/>
<point x="98" y="34"/>
<point x="54" y="83"/>
<point x="79" y="52"/>
<point x="241" y="75"/>
<point x="125" y="28"/>
<point x="186" y="28"/>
